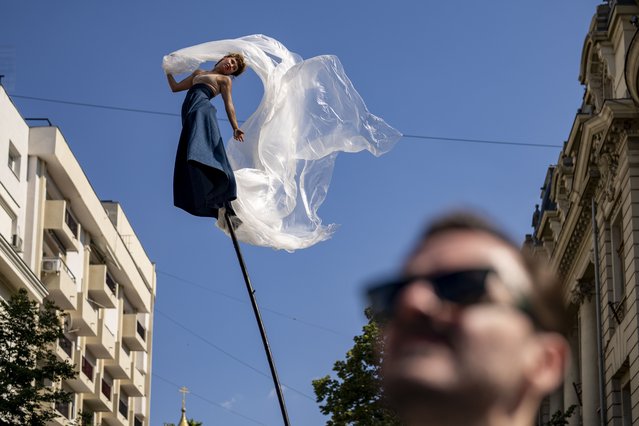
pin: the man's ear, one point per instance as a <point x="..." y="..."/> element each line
<point x="548" y="365"/>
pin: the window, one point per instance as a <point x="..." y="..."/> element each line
<point x="123" y="405"/>
<point x="87" y="368"/>
<point x="106" y="389"/>
<point x="14" y="160"/>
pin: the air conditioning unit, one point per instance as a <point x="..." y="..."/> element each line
<point x="51" y="265"/>
<point x="67" y="324"/>
<point x="16" y="242"/>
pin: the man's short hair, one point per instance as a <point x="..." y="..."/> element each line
<point x="546" y="302"/>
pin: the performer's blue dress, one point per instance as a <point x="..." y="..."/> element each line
<point x="203" y="180"/>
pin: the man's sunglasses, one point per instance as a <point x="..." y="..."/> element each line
<point x="464" y="288"/>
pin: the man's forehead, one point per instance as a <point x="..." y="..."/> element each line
<point x="459" y="249"/>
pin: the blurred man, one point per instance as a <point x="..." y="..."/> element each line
<point x="473" y="329"/>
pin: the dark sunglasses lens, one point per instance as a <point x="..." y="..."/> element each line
<point x="463" y="287"/>
<point x="382" y="297"/>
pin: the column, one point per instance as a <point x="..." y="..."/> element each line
<point x="589" y="362"/>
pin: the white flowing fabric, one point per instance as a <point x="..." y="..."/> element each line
<point x="309" y="113"/>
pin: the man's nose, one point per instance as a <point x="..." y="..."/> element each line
<point x="420" y="299"/>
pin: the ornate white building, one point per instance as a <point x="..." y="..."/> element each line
<point x="60" y="242"/>
<point x="600" y="162"/>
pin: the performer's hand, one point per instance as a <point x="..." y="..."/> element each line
<point x="238" y="135"/>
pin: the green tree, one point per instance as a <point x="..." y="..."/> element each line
<point x="355" y="397"/>
<point x="560" y="418"/>
<point x="27" y="362"/>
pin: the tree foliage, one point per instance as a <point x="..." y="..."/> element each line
<point x="560" y="418"/>
<point x="28" y="364"/>
<point x="355" y="397"/>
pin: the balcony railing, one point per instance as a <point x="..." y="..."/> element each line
<point x="133" y="333"/>
<point x="56" y="264"/>
<point x="60" y="282"/>
<point x="102" y="288"/>
<point x="87" y="368"/>
<point x="66" y="345"/>
<point x="58" y="219"/>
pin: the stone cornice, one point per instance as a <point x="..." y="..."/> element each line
<point x="570" y="247"/>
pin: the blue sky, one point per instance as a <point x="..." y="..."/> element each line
<point x="502" y="70"/>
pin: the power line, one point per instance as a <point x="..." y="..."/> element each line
<point x="84" y="104"/>
<point x="441" y="138"/>
<point x="228" y="354"/>
<point x="208" y="400"/>
<point x="273" y="311"/>
<point x="152" y="112"/>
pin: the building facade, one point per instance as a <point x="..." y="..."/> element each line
<point x="587" y="226"/>
<point x="60" y="242"/>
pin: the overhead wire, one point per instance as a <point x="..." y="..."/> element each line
<point x="266" y="309"/>
<point x="228" y="354"/>
<point x="208" y="400"/>
<point x="410" y="136"/>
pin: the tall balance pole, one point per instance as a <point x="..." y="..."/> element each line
<point x="600" y="355"/>
<point x="258" y="318"/>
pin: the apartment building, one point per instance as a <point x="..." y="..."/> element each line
<point x="60" y="242"/>
<point x="587" y="226"/>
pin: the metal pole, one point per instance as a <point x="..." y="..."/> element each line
<point x="602" y="385"/>
<point x="258" y="318"/>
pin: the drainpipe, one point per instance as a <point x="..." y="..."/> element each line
<point x="602" y="386"/>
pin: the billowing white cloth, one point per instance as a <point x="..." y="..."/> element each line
<point x="309" y="113"/>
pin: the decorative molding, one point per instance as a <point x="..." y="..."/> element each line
<point x="575" y="241"/>
<point x="608" y="164"/>
<point x="583" y="290"/>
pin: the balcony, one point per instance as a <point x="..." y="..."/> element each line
<point x="102" y="288"/>
<point x="102" y="396"/>
<point x="60" y="282"/>
<point x="58" y="220"/>
<point x="133" y="333"/>
<point x="102" y="345"/>
<point x="64" y="349"/>
<point x="64" y="414"/>
<point x="140" y="409"/>
<point x="135" y="385"/>
<point x="120" y="367"/>
<point x="119" y="414"/>
<point x="85" y="377"/>
<point x="84" y="320"/>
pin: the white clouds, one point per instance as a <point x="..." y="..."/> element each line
<point x="229" y="403"/>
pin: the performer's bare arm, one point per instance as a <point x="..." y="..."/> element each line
<point x="225" y="89"/>
<point x="184" y="84"/>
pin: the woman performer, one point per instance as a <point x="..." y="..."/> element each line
<point x="203" y="181"/>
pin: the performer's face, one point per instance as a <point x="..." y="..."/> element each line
<point x="228" y="65"/>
